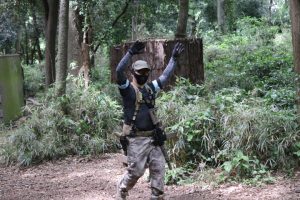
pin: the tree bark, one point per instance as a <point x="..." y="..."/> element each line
<point x="26" y="48"/>
<point x="182" y="19"/>
<point x="62" y="59"/>
<point x="134" y="33"/>
<point x="32" y="54"/>
<point x="75" y="39"/>
<point x="270" y="9"/>
<point x="194" y="27"/>
<point x="85" y="52"/>
<point x="221" y="16"/>
<point x="295" y="19"/>
<point x="51" y="13"/>
<point x="36" y="32"/>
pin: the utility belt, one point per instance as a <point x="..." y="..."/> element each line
<point x="130" y="132"/>
<point x="143" y="133"/>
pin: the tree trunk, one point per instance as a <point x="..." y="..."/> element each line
<point x="134" y="24"/>
<point x="182" y="19"/>
<point x="32" y="54"/>
<point x="90" y="43"/>
<point x="26" y="49"/>
<point x="75" y="40"/>
<point x="19" y="28"/>
<point x="85" y="51"/>
<point x="194" y="27"/>
<point x="221" y="16"/>
<point x="295" y="19"/>
<point x="36" y="32"/>
<point x="270" y="9"/>
<point x="51" y="11"/>
<point x="62" y="59"/>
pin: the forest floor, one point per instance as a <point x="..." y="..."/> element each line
<point x="77" y="178"/>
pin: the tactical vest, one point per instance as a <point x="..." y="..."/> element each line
<point x="147" y="98"/>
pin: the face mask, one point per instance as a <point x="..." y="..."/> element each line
<point x="141" y="79"/>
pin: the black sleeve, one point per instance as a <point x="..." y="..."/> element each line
<point x="127" y="91"/>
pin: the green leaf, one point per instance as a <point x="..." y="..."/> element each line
<point x="190" y="137"/>
<point x="297" y="153"/>
<point x="227" y="166"/>
<point x="245" y="158"/>
<point x="297" y="145"/>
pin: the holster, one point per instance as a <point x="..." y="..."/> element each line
<point x="159" y="136"/>
<point x="124" y="144"/>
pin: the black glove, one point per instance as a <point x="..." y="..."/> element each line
<point x="136" y="48"/>
<point x="124" y="142"/>
<point x="159" y="137"/>
<point x="178" y="49"/>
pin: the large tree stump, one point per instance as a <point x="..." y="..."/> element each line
<point x="157" y="54"/>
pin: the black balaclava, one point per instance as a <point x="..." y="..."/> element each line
<point x="140" y="79"/>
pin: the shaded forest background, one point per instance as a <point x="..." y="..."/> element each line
<point x="244" y="120"/>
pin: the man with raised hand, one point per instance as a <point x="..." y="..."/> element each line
<point x="141" y="138"/>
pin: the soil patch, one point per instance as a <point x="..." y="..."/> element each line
<point x="77" y="178"/>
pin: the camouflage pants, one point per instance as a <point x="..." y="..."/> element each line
<point x="140" y="155"/>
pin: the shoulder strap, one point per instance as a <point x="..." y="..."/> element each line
<point x="150" y="102"/>
<point x="138" y="100"/>
<point x="149" y="89"/>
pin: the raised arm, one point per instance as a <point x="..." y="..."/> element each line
<point x="121" y="77"/>
<point x="164" y="77"/>
<point x="136" y="48"/>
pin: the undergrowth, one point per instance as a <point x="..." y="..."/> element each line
<point x="242" y="121"/>
<point x="79" y="123"/>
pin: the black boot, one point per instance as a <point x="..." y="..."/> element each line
<point x="157" y="194"/>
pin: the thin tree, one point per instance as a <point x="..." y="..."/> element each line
<point x="134" y="23"/>
<point x="271" y="4"/>
<point x="62" y="58"/>
<point x="295" y="19"/>
<point x="85" y="52"/>
<point x="51" y="16"/>
<point x="182" y="19"/>
<point x="221" y="15"/>
<point x="36" y="30"/>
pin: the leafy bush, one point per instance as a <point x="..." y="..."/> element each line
<point x="81" y="123"/>
<point x="242" y="166"/>
<point x="33" y="79"/>
<point x="178" y="175"/>
<point x="212" y="127"/>
<point x="244" y="117"/>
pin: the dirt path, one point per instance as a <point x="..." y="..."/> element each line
<point x="83" y="179"/>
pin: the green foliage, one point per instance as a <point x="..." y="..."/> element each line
<point x="297" y="149"/>
<point x="226" y="121"/>
<point x="179" y="175"/>
<point x="280" y="13"/>
<point x="33" y="79"/>
<point x="8" y="32"/>
<point x="249" y="60"/>
<point x="81" y="123"/>
<point x="242" y="166"/>
<point x="244" y="116"/>
<point x="244" y="8"/>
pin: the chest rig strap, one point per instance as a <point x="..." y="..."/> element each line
<point x="139" y="100"/>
